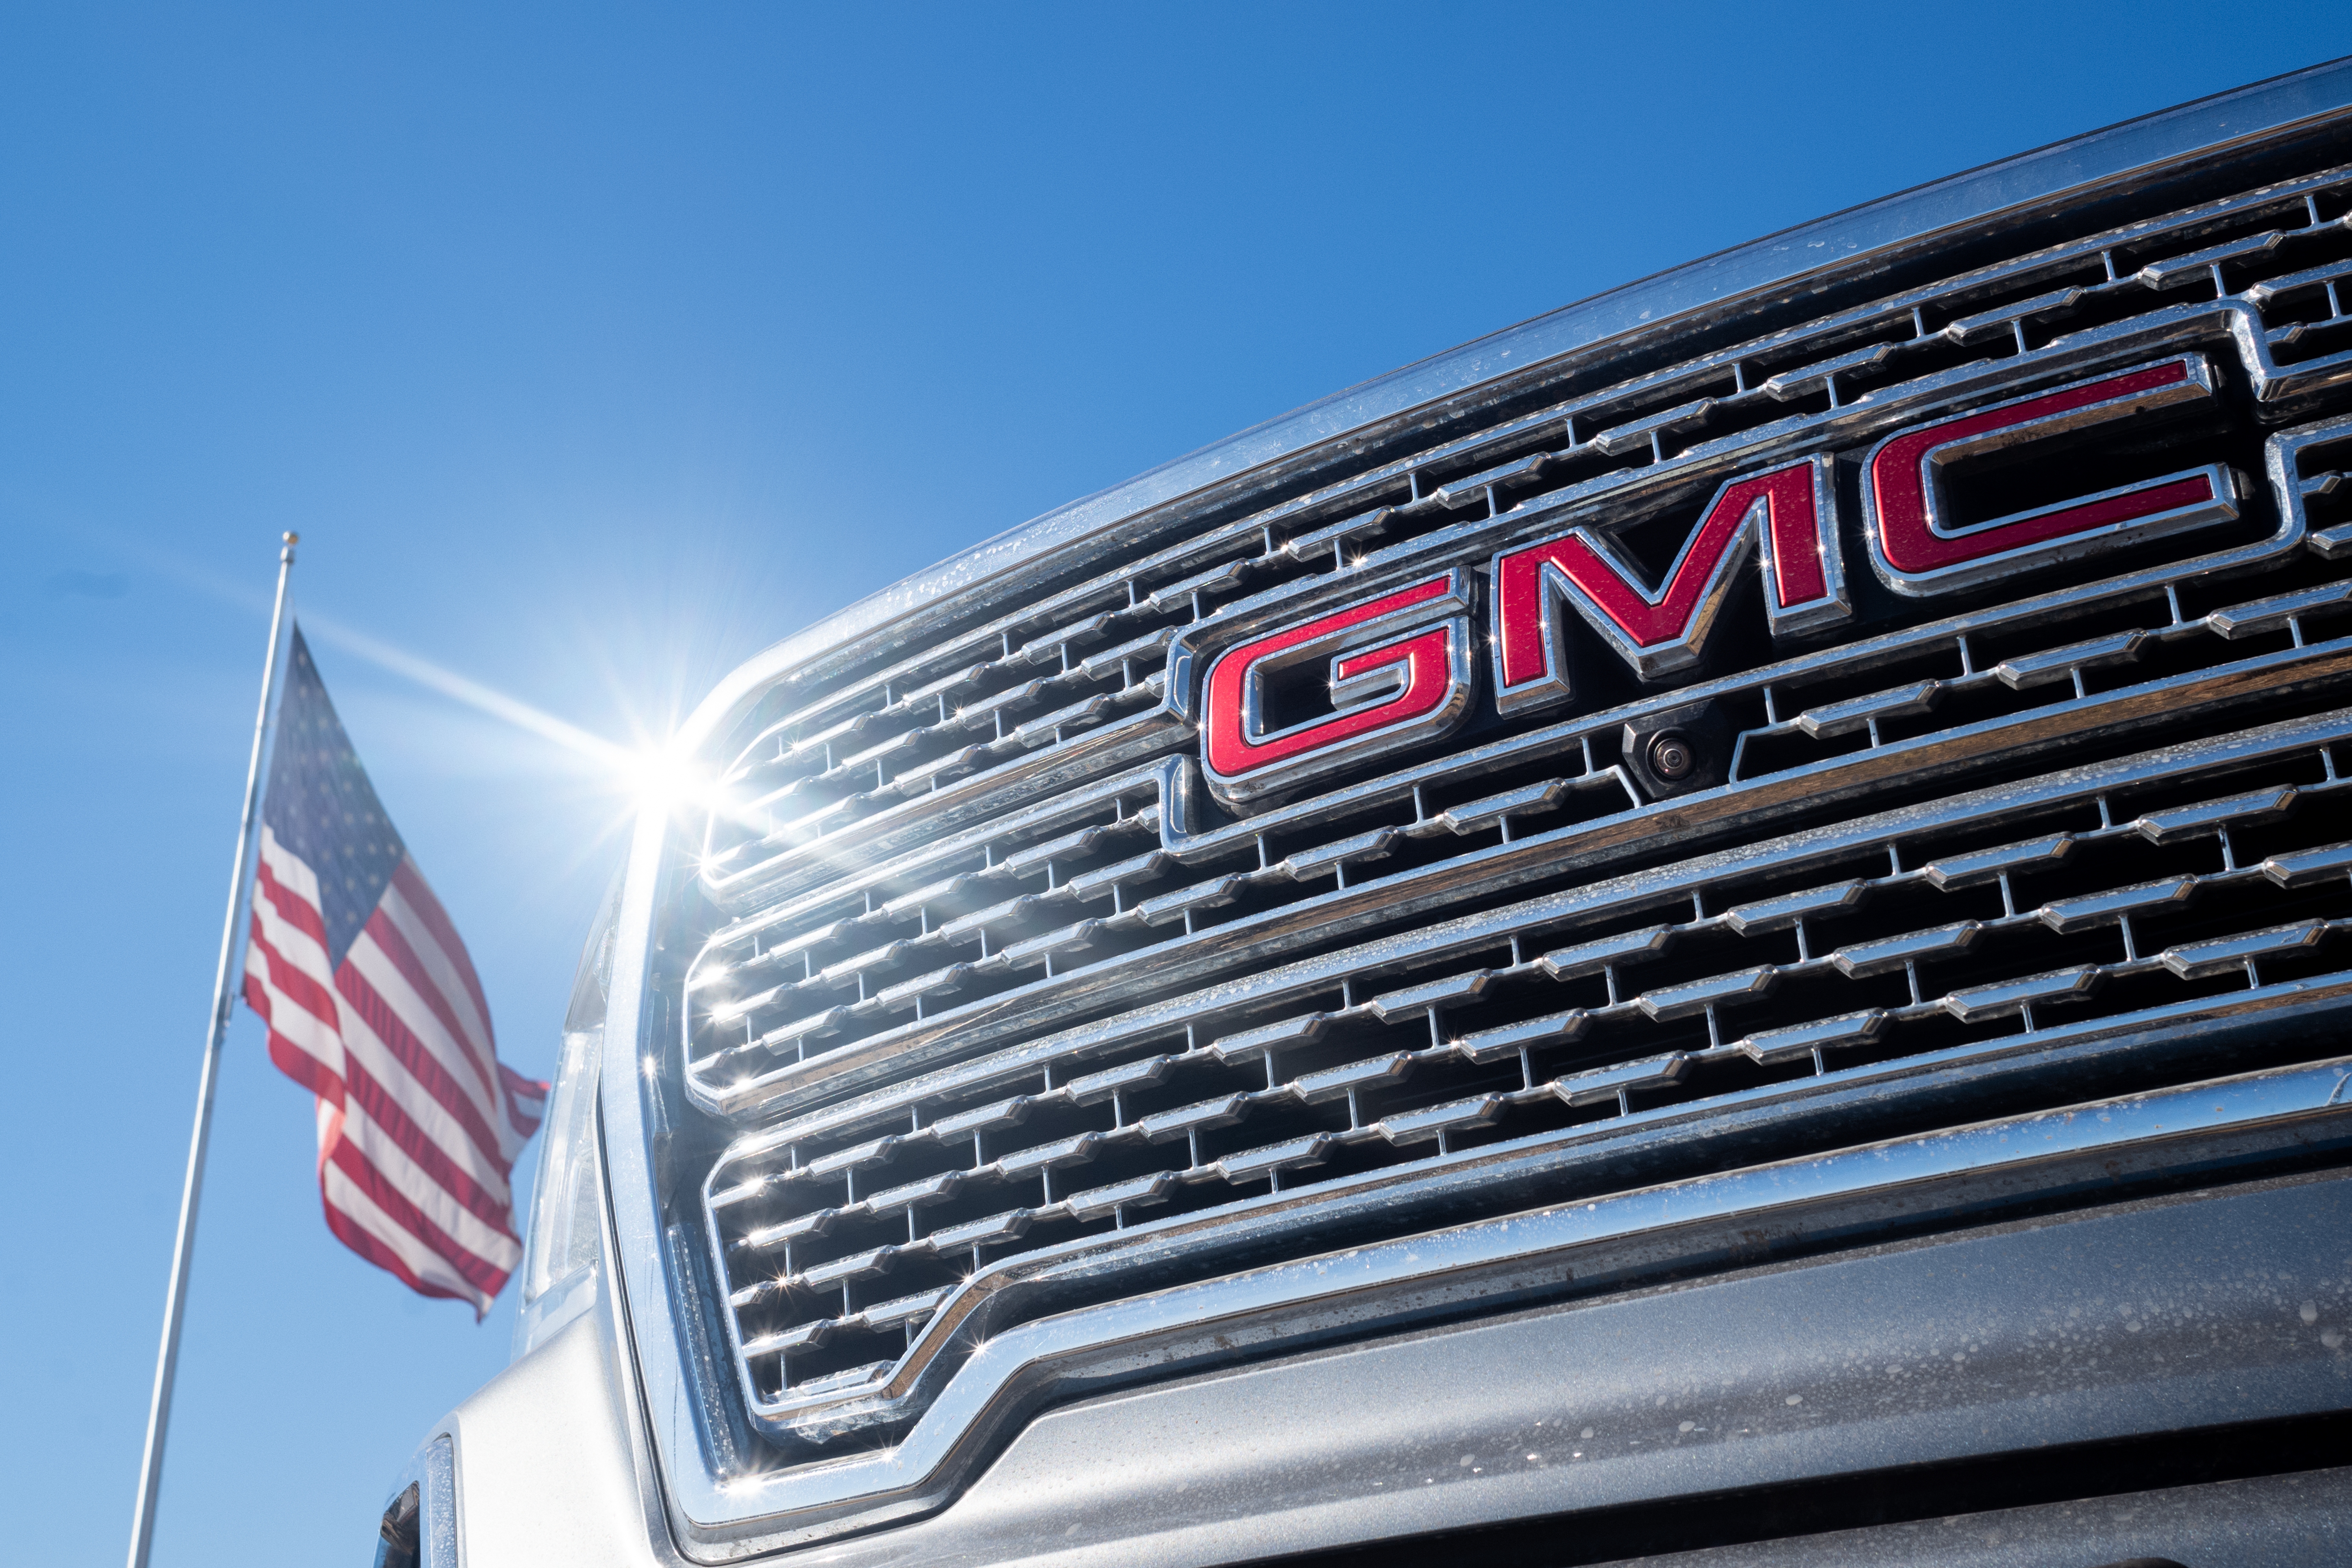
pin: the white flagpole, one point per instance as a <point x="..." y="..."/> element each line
<point x="175" y="1296"/>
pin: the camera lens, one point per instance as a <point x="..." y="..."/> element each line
<point x="1672" y="755"/>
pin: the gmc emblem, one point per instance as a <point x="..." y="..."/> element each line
<point x="1400" y="668"/>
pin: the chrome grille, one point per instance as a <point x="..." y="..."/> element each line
<point x="979" y="886"/>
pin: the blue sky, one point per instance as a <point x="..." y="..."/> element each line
<point x="592" y="347"/>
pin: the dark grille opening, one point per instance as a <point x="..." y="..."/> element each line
<point x="2065" y="1473"/>
<point x="2323" y="340"/>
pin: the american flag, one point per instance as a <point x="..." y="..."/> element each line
<point x="373" y="1007"/>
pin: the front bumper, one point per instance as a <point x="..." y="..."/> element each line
<point x="2044" y="1369"/>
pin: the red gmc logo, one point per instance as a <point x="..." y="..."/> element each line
<point x="1400" y="668"/>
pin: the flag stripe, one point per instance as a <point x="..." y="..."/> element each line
<point x="285" y="983"/>
<point x="400" y="1138"/>
<point x="526" y="1101"/>
<point x="328" y="1037"/>
<point x="304" y="1010"/>
<point x="375" y="1236"/>
<point x="402" y="1190"/>
<point x="299" y="1042"/>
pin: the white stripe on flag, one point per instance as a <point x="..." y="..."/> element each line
<point x="446" y="978"/>
<point x="289" y="869"/>
<point x="312" y="1035"/>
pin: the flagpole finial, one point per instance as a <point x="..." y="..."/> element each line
<point x="292" y="538"/>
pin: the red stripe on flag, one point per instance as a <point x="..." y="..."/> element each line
<point x="526" y="1100"/>
<point x="301" y="987"/>
<point x="291" y="906"/>
<point x="293" y="984"/>
<point x="382" y="1108"/>
<point x="350" y="1232"/>
<point x="353" y="1233"/>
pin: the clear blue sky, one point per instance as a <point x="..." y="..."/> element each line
<point x="591" y="348"/>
